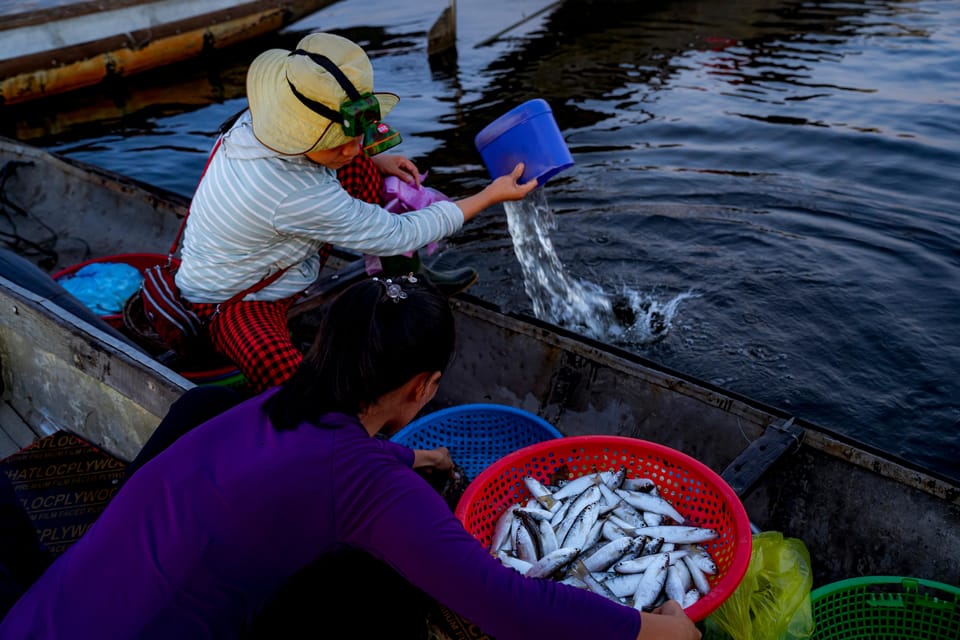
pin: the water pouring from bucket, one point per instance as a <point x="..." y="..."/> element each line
<point x="529" y="134"/>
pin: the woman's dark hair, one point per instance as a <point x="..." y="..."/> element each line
<point x="372" y="339"/>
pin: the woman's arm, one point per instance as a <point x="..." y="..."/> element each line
<point x="500" y="190"/>
<point x="395" y="516"/>
<point x="503" y="189"/>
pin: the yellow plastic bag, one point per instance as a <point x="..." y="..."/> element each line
<point x="773" y="600"/>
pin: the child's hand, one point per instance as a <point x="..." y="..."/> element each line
<point x="397" y="165"/>
<point x="500" y="190"/>
<point x="508" y="188"/>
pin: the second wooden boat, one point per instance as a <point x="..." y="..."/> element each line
<point x="60" y="45"/>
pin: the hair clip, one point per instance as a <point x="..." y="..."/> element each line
<point x="394" y="291"/>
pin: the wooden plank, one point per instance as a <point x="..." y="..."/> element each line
<point x="15" y="434"/>
<point x="63" y="372"/>
<point x="7" y="446"/>
<point x="744" y="472"/>
<point x="15" y="428"/>
<point x="18" y="14"/>
<point x="56" y="55"/>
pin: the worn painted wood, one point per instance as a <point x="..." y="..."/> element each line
<point x="442" y="35"/>
<point x="74" y="208"/>
<point x="777" y="440"/>
<point x="57" y="47"/>
<point x="8" y="446"/>
<point x="15" y="430"/>
<point x="61" y="373"/>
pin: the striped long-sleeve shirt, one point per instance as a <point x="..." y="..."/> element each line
<point x="257" y="211"/>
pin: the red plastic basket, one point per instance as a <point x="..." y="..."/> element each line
<point x="694" y="489"/>
<point x="223" y="374"/>
<point x="142" y="262"/>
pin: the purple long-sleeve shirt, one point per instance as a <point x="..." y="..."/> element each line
<point x="201" y="536"/>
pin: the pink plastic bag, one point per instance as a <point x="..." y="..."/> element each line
<point x="400" y="197"/>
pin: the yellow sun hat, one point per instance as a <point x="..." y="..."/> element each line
<point x="295" y="99"/>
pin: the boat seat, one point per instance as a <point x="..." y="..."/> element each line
<point x="753" y="462"/>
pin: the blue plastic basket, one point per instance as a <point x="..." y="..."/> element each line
<point x="477" y="435"/>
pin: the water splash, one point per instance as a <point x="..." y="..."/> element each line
<point x="629" y="317"/>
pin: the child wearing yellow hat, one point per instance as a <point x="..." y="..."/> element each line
<point x="270" y="199"/>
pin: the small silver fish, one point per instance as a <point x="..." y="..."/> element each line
<point x="579" y="531"/>
<point x="588" y="497"/>
<point x="537" y="513"/>
<point x="650" y="585"/>
<point x="610" y="534"/>
<point x="514" y="563"/>
<point x="690" y="597"/>
<point x="674" y="585"/>
<point x="552" y="561"/>
<point x="650" y="502"/>
<point x="645" y="485"/>
<point x="548" y="538"/>
<point x="681" y="534"/>
<point x="702" y="559"/>
<point x="614" y="479"/>
<point x="525" y="543"/>
<point x="591" y="582"/>
<point x="609" y="554"/>
<point x="623" y="585"/>
<point x="699" y="577"/>
<point x="501" y="531"/>
<point x="642" y="563"/>
<point x="540" y="492"/>
<point x="576" y="486"/>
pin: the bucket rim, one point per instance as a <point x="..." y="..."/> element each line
<point x="518" y="115"/>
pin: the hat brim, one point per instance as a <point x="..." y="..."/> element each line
<point x="280" y="121"/>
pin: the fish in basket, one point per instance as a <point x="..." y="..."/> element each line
<point x="632" y="520"/>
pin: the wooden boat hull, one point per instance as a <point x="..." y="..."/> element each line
<point x="71" y="211"/>
<point x="859" y="511"/>
<point x="67" y="47"/>
<point x="59" y="372"/>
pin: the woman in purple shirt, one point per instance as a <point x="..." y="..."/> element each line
<point x="201" y="537"/>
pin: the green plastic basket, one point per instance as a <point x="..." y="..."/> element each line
<point x="886" y="608"/>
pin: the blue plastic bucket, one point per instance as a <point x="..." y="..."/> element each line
<point x="529" y="134"/>
<point x="476" y="434"/>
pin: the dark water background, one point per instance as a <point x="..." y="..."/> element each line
<point x="793" y="164"/>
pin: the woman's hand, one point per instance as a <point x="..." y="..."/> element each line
<point x="668" y="622"/>
<point x="432" y="459"/>
<point x="397" y="165"/>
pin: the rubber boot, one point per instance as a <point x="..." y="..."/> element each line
<point x="449" y="282"/>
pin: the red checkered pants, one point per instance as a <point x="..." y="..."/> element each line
<point x="254" y="334"/>
<point x="255" y="337"/>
